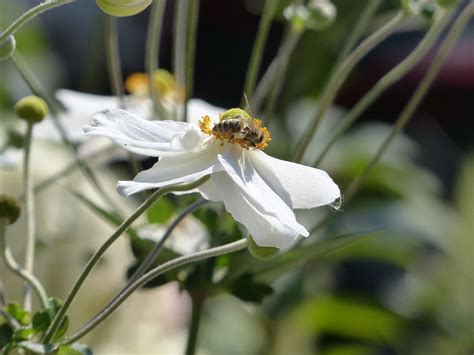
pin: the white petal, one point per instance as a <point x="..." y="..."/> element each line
<point x="153" y="138"/>
<point x="182" y="168"/>
<point x="197" y="109"/>
<point x="266" y="229"/>
<point x="269" y="209"/>
<point x="208" y="190"/>
<point x="298" y="185"/>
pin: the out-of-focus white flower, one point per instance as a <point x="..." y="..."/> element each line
<point x="259" y="191"/>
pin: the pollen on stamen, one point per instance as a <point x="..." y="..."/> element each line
<point x="137" y="84"/>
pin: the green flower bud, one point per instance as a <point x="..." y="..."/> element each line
<point x="32" y="109"/>
<point x="235" y="113"/>
<point x="7" y="47"/>
<point x="322" y="14"/>
<point x="298" y="15"/>
<point x="122" y="8"/>
<point x="9" y="208"/>
<point x="261" y="253"/>
<point x="446" y="4"/>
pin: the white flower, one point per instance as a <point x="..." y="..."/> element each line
<point x="259" y="191"/>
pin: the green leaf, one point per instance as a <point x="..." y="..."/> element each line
<point x="160" y="211"/>
<point x="37" y="348"/>
<point x="23" y="333"/>
<point x="247" y="289"/>
<point x="142" y="246"/>
<point x="18" y="313"/>
<point x="74" y="349"/>
<point x="6" y="335"/>
<point x="62" y="329"/>
<point x="41" y="320"/>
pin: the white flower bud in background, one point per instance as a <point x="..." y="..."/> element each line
<point x="7" y="47"/>
<point x="122" y="8"/>
<point x="322" y="14"/>
<point x="317" y="15"/>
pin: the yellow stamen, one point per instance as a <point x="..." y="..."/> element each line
<point x="137" y="84"/>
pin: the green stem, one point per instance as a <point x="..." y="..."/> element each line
<point x="358" y="30"/>
<point x="24" y="274"/>
<point x="294" y="37"/>
<point x="258" y="48"/>
<point x="340" y="75"/>
<point x="98" y="254"/>
<point x="150" y="275"/>
<point x="284" y="52"/>
<point x="30" y="14"/>
<point x="29" y="215"/>
<point x="193" y="16"/>
<point x="112" y="54"/>
<point x="36" y="88"/>
<point x="153" y="254"/>
<point x="179" y="49"/>
<point x="197" y="299"/>
<point x="386" y="81"/>
<point x="152" y="53"/>
<point x="417" y="96"/>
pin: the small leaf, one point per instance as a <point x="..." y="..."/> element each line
<point x="62" y="329"/>
<point x="41" y="320"/>
<point x="74" y="349"/>
<point x="23" y="334"/>
<point x="37" y="348"/>
<point x="160" y="211"/>
<point x="6" y="335"/>
<point x="247" y="289"/>
<point x="18" y="313"/>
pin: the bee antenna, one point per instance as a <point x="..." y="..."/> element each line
<point x="247" y="105"/>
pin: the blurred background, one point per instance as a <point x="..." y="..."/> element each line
<point x="404" y="288"/>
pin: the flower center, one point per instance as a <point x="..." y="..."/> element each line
<point x="237" y="129"/>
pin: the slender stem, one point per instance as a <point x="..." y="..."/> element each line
<point x="152" y="52"/>
<point x="29" y="215"/>
<point x="386" y="81"/>
<point x="265" y="84"/>
<point x="357" y="31"/>
<point x="417" y="96"/>
<point x="198" y="298"/>
<point x="150" y="275"/>
<point x="24" y="274"/>
<point x="153" y="254"/>
<point x="98" y="254"/>
<point x="30" y="14"/>
<point x="179" y="49"/>
<point x="112" y="54"/>
<point x="294" y="37"/>
<point x="191" y="36"/>
<point x="36" y="88"/>
<point x="340" y="75"/>
<point x="258" y="48"/>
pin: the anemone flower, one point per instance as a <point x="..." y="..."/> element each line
<point x="259" y="191"/>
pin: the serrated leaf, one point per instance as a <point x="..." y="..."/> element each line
<point x="37" y="348"/>
<point x="18" y="313"/>
<point x="247" y="289"/>
<point x="160" y="211"/>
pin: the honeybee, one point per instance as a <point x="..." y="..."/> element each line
<point x="240" y="127"/>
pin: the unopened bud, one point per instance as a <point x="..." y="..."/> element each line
<point x="122" y="8"/>
<point x="262" y="253"/>
<point x="9" y="208"/>
<point x="32" y="109"/>
<point x="7" y="47"/>
<point x="322" y="14"/>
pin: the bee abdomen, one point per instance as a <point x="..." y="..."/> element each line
<point x="230" y="125"/>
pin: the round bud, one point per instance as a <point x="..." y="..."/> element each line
<point x="234" y="113"/>
<point x="446" y="4"/>
<point x="32" y="109"/>
<point x="298" y="15"/>
<point x="322" y="14"/>
<point x="122" y="8"/>
<point x="7" y="47"/>
<point x="9" y="208"/>
<point x="262" y="253"/>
